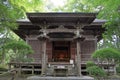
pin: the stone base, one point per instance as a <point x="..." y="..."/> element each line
<point x="59" y="78"/>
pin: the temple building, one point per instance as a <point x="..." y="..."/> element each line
<point x="62" y="42"/>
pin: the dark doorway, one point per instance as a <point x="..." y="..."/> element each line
<point x="61" y="51"/>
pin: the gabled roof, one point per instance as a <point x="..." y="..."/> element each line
<point x="31" y="25"/>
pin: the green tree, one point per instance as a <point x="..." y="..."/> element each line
<point x="76" y="6"/>
<point x="108" y="10"/>
<point x="10" y="11"/>
<point x="7" y="22"/>
<point x="19" y="50"/>
<point x="29" y="5"/>
<point x="106" y="55"/>
<point x="112" y="15"/>
<point x="90" y="63"/>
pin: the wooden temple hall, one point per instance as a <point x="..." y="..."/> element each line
<point x="62" y="42"/>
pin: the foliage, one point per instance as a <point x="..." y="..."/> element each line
<point x="118" y="69"/>
<point x="111" y="37"/>
<point x="19" y="50"/>
<point x="96" y="72"/>
<point x="15" y="9"/>
<point x="10" y="11"/>
<point x="82" y="6"/>
<point x="106" y="55"/>
<point x="29" y="5"/>
<point x="112" y="15"/>
<point x="18" y="45"/>
<point x="8" y="16"/>
<point x="90" y="64"/>
<point x="76" y="6"/>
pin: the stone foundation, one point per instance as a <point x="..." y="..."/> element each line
<point x="59" y="78"/>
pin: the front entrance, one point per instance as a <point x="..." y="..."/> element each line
<point x="61" y="51"/>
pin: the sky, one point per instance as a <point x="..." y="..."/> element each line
<point x="58" y="2"/>
<point x="54" y="4"/>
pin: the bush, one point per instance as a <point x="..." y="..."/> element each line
<point x="118" y="69"/>
<point x="96" y="72"/>
<point x="3" y="67"/>
<point x="108" y="55"/>
<point x="90" y="64"/>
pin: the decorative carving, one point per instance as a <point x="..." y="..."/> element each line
<point x="61" y="28"/>
<point x="78" y="32"/>
<point x="42" y="37"/>
<point x="80" y="38"/>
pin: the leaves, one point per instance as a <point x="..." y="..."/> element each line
<point x="90" y="63"/>
<point x="96" y="71"/>
<point x="28" y="5"/>
<point x="17" y="50"/>
<point x="77" y="6"/>
<point x="107" y="54"/>
<point x="108" y="10"/>
<point x="19" y="46"/>
<point x="10" y="11"/>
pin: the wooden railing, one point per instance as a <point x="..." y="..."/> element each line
<point x="22" y="67"/>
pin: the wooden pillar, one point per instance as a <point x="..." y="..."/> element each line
<point x="79" y="38"/>
<point x="20" y="69"/>
<point x="95" y="42"/>
<point x="9" y="66"/>
<point x="43" y="39"/>
<point x="78" y="58"/>
<point x="32" y="69"/>
<point x="43" y="58"/>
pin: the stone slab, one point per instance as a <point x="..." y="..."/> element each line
<point x="59" y="78"/>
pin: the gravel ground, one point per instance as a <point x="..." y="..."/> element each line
<point x="8" y="76"/>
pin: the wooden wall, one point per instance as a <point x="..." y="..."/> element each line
<point x="37" y="47"/>
<point x="73" y="49"/>
<point x="87" y="48"/>
<point x="49" y="50"/>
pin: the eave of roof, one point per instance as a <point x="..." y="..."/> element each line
<point x="62" y="14"/>
<point x="40" y="18"/>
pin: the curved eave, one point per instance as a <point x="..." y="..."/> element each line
<point x="98" y="22"/>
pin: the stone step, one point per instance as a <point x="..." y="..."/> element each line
<point x="59" y="78"/>
<point x="71" y="71"/>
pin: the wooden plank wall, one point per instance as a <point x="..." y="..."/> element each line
<point x="73" y="49"/>
<point x="37" y="48"/>
<point x="87" y="47"/>
<point x="49" y="50"/>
